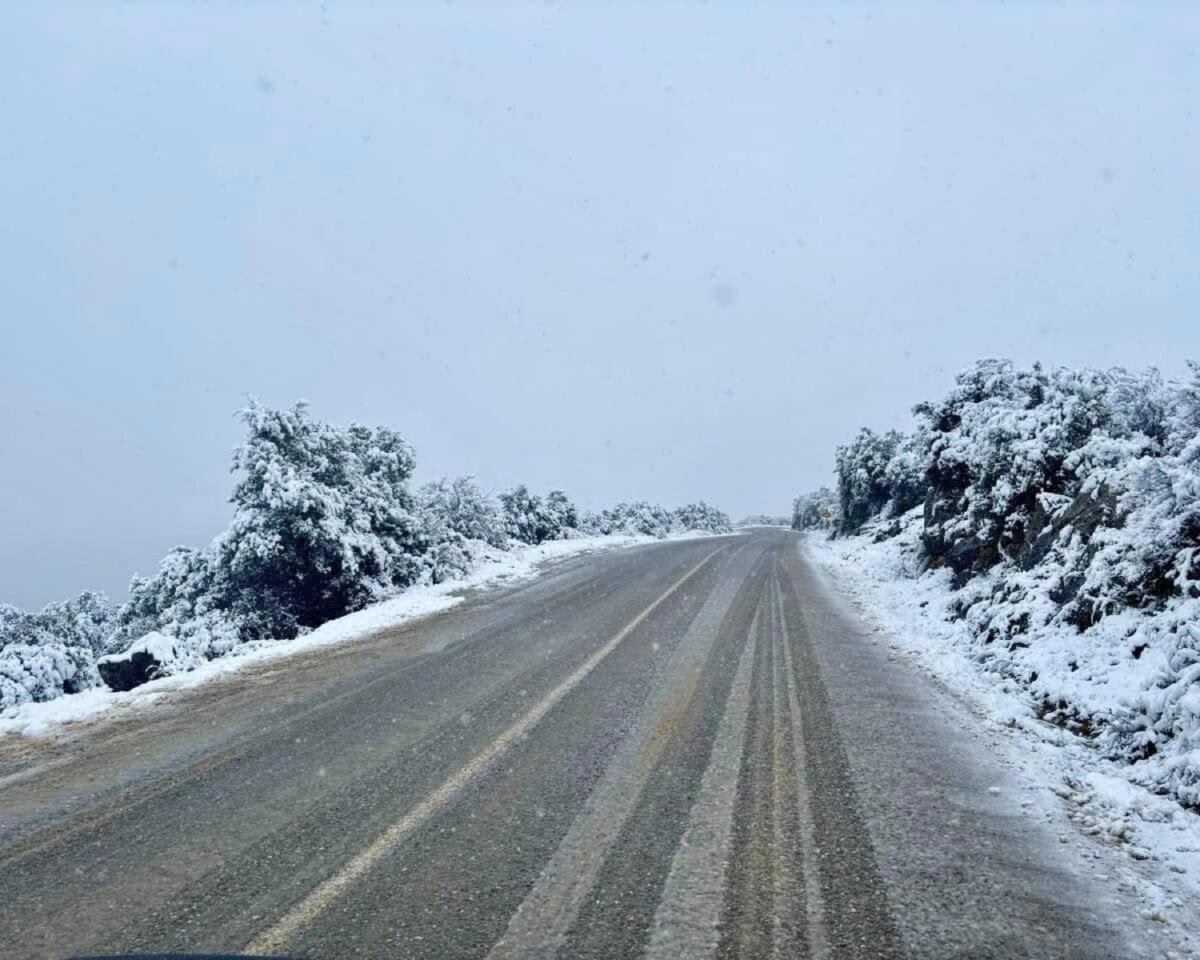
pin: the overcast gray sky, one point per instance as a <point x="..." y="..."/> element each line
<point x="662" y="253"/>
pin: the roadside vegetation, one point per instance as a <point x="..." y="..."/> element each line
<point x="763" y="520"/>
<point x="325" y="523"/>
<point x="1062" y="510"/>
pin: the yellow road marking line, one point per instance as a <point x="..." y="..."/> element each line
<point x="274" y="937"/>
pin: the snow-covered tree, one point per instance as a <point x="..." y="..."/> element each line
<point x="324" y="520"/>
<point x="561" y="515"/>
<point x="818" y="510"/>
<point x="702" y="517"/>
<point x="530" y="519"/>
<point x="465" y="509"/>
<point x="878" y="475"/>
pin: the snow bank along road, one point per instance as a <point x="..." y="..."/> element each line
<point x="681" y="750"/>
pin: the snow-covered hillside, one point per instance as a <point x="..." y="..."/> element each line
<point x="1057" y="537"/>
<point x="1125" y="806"/>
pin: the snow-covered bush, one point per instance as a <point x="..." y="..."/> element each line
<point x="763" y="520"/>
<point x="878" y="474"/>
<point x="461" y="506"/>
<point x="654" y="520"/>
<point x="530" y="519"/>
<point x="1152" y="551"/>
<point x="1004" y="440"/>
<point x="37" y="672"/>
<point x="46" y="654"/>
<point x="324" y="522"/>
<point x="1066" y="503"/>
<point x="561" y="515"/>
<point x="818" y="510"/>
<point x="701" y="517"/>
<point x="523" y="519"/>
<point x="184" y="593"/>
<point x="638" y="518"/>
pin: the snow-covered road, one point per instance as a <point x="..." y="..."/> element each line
<point x="686" y="749"/>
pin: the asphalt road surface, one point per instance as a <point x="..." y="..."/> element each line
<point x="684" y="750"/>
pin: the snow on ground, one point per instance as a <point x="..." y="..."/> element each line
<point x="1155" y="839"/>
<point x="497" y="567"/>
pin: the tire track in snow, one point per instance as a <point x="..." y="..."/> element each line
<point x="541" y="923"/>
<point x="686" y="921"/>
<point x="327" y="893"/>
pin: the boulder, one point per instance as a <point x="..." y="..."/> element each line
<point x="145" y="660"/>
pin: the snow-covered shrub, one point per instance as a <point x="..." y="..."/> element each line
<point x="1152" y="551"/>
<point x="878" y="474"/>
<point x="1079" y="479"/>
<point x="523" y="515"/>
<point x="53" y="651"/>
<point x="650" y="519"/>
<point x="904" y="474"/>
<point x="324" y="521"/>
<point x="530" y="519"/>
<point x="561" y="515"/>
<point x="640" y="517"/>
<point x="185" y="591"/>
<point x="1005" y="445"/>
<point x="462" y="507"/>
<point x="702" y="517"/>
<point x="763" y="520"/>
<point x="591" y="524"/>
<point x="1067" y="505"/>
<point x="44" y="671"/>
<point x="324" y="524"/>
<point x="818" y="510"/>
<point x="861" y="468"/>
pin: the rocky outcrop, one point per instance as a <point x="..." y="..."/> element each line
<point x="1084" y="515"/>
<point x="1051" y="515"/>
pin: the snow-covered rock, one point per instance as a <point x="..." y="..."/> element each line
<point x="148" y="659"/>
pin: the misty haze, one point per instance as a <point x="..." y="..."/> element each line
<point x="596" y="480"/>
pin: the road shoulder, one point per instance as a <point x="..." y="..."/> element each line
<point x="971" y="809"/>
